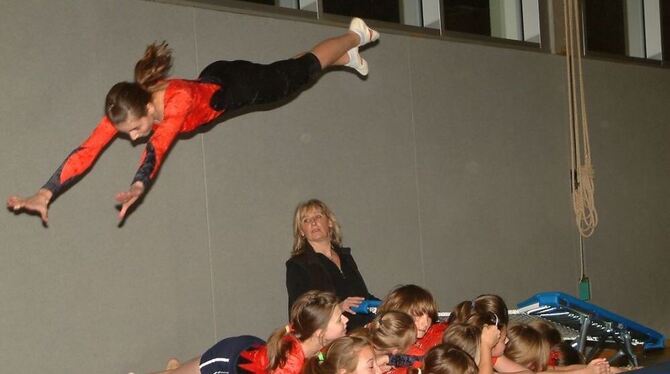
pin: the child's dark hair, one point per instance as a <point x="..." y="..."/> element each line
<point x="447" y="359"/>
<point x="410" y="299"/>
<point x="389" y="331"/>
<point x="341" y="354"/>
<point x="312" y="311"/>
<point x="126" y="98"/>
<point x="483" y="305"/>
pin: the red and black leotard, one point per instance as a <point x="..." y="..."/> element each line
<point x="186" y="107"/>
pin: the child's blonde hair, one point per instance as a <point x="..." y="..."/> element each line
<point x="390" y="331"/>
<point x="548" y="331"/>
<point x="410" y="299"/>
<point x="466" y="337"/>
<point x="527" y="347"/>
<point x="447" y="359"/>
<point x="341" y="354"/>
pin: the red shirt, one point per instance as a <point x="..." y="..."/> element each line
<point x="186" y="107"/>
<point x="432" y="338"/>
<point x="259" y="362"/>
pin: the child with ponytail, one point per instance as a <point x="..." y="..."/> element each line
<point x="345" y="355"/>
<point x="158" y="108"/>
<point x="478" y="342"/>
<point x="447" y="359"/>
<point x="390" y="333"/>
<point x="316" y="319"/>
<point x="486" y="310"/>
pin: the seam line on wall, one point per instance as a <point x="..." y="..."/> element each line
<point x="416" y="165"/>
<point x="206" y="191"/>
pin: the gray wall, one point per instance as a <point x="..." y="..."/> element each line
<point x="448" y="167"/>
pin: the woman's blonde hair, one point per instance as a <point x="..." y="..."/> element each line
<point x="389" y="331"/>
<point x="447" y="359"/>
<point x="527" y="347"/>
<point x="341" y="354"/>
<point x="410" y="299"/>
<point x="311" y="312"/>
<point x="300" y="212"/>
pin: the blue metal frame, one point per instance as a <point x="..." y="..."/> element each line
<point x="656" y="339"/>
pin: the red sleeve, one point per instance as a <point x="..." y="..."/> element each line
<point x="257" y="360"/>
<point x="177" y="107"/>
<point x="81" y="159"/>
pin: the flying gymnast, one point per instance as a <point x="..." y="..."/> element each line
<point x="159" y="109"/>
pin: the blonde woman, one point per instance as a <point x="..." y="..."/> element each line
<point x="320" y="262"/>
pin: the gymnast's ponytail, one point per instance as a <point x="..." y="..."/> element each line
<point x="483" y="305"/>
<point x="151" y="70"/>
<point x="311" y="312"/>
<point x="154" y="66"/>
<point x="390" y="331"/>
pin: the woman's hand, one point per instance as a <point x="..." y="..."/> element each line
<point x="351" y="302"/>
<point x="38" y="203"/>
<point x="128" y="198"/>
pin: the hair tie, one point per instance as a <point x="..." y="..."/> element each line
<point x="472" y="304"/>
<point x="554" y="358"/>
<point x="321" y="357"/>
<point x="418" y="370"/>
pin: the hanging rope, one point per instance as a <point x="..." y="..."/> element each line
<point x="582" y="174"/>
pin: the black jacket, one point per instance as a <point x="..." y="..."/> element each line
<point x="313" y="271"/>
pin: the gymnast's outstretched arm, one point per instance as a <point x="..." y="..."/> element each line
<point x="70" y="171"/>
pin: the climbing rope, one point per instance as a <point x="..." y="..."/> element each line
<point x="582" y="173"/>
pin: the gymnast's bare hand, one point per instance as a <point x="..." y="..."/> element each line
<point x="128" y="198"/>
<point x="38" y="203"/>
<point x="489" y="338"/>
<point x="599" y="366"/>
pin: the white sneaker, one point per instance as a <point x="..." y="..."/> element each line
<point x="365" y="34"/>
<point x="357" y="62"/>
